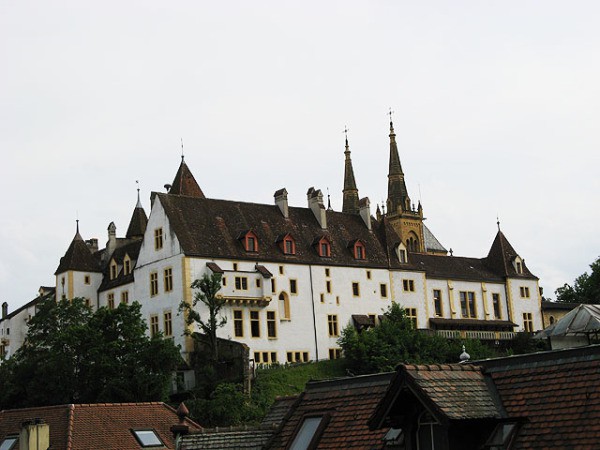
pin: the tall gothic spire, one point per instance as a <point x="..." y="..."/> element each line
<point x="398" y="199"/>
<point x="350" y="191"/>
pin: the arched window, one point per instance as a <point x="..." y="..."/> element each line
<point x="412" y="243"/>
<point x="359" y="250"/>
<point x="284" y="306"/>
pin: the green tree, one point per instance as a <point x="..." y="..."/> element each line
<point x="394" y="341"/>
<point x="206" y="288"/>
<point x="74" y="355"/>
<point x="585" y="289"/>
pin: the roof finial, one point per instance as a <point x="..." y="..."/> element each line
<point x="329" y="201"/>
<point x="139" y="203"/>
<point x="346" y="133"/>
<point x="391" y="123"/>
<point x="181" y="149"/>
<point x="464" y="356"/>
<point x="498" y="222"/>
<point x="77" y="226"/>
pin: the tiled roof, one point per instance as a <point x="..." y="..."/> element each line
<point x="455" y="267"/>
<point x="557" y="392"/>
<point x="223" y="439"/>
<point x="210" y="228"/>
<point x="279" y="410"/>
<point x="97" y="426"/>
<point x="48" y="294"/>
<point x="562" y="306"/>
<point x="137" y="224"/>
<point x="467" y="324"/>
<point x="78" y="257"/>
<point x="349" y="401"/>
<point x="185" y="183"/>
<point x="125" y="247"/>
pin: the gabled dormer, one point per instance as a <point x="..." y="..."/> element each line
<point x="358" y="249"/>
<point x="518" y="264"/>
<point x="127" y="265"/>
<point x="249" y="241"/>
<point x="322" y="246"/>
<point x="287" y="244"/>
<point x="401" y="253"/>
<point x="113" y="269"/>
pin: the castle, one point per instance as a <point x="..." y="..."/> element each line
<point x="294" y="277"/>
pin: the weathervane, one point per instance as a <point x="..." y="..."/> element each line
<point x="181" y="149"/>
<point x="390" y="114"/>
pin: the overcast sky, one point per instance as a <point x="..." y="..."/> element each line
<point x="497" y="106"/>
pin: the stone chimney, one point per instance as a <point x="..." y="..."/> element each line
<point x="181" y="429"/>
<point x="111" y="245"/>
<point x="4" y="310"/>
<point x="364" y="209"/>
<point x="35" y="435"/>
<point x="92" y="244"/>
<point x="315" y="203"/>
<point x="281" y="201"/>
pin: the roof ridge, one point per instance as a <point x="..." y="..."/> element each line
<point x="71" y="421"/>
<point x="453" y="367"/>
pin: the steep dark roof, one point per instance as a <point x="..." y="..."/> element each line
<point x="210" y="228"/>
<point x="561" y="306"/>
<point x="349" y="402"/>
<point x="454" y="267"/>
<point x="48" y="293"/>
<point x="557" y="392"/>
<point x="185" y="183"/>
<point x="137" y="224"/>
<point x="501" y="257"/>
<point x="126" y="247"/>
<point x="78" y="257"/>
<point x="103" y="426"/>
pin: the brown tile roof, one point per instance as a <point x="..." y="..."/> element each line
<point x="455" y="267"/>
<point x="210" y="228"/>
<point x="349" y="401"/>
<point x="223" y="439"/>
<point x="557" y="392"/>
<point x="78" y="257"/>
<point x="184" y="183"/>
<point x="125" y="247"/>
<point x="97" y="426"/>
<point x="470" y="324"/>
<point x="501" y="256"/>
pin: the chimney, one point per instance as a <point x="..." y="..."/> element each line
<point x="282" y="202"/>
<point x="111" y="245"/>
<point x="35" y="434"/>
<point x="315" y="203"/>
<point x="181" y="429"/>
<point x="364" y="209"/>
<point x="4" y="310"/>
<point x="92" y="244"/>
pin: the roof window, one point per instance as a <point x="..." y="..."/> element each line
<point x="309" y="432"/>
<point x="148" y="438"/>
<point x="287" y="244"/>
<point x="9" y="443"/>
<point x="249" y="241"/>
<point x="358" y="249"/>
<point x="323" y="247"/>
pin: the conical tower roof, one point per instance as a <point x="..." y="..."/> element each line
<point x="185" y="183"/>
<point x="501" y="256"/>
<point x="78" y="257"/>
<point x="350" y="204"/>
<point x="138" y="222"/>
<point x="397" y="192"/>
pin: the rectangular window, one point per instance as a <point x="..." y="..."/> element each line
<point x="402" y="254"/>
<point x="293" y="357"/>
<point x="224" y="281"/>
<point x="158" y="239"/>
<point x="168" y="324"/>
<point x="496" y="305"/>
<point x="153" y="284"/>
<point x="235" y="267"/>
<point x="251" y="244"/>
<point x="328" y="286"/>
<point x="467" y="304"/>
<point x="332" y="325"/>
<point x="383" y="290"/>
<point x="355" y="289"/>
<point x="322" y="298"/>
<point x="271" y="325"/>
<point x="86" y="279"/>
<point x="254" y="324"/>
<point x="528" y="322"/>
<point x="241" y="283"/>
<point x="368" y="274"/>
<point x="411" y="313"/>
<point x="437" y="302"/>
<point x="127" y="266"/>
<point x="273" y="285"/>
<point x="113" y="270"/>
<point x="326" y="272"/>
<point x="524" y="291"/>
<point x="238" y="323"/>
<point x="335" y="353"/>
<point x="111" y="301"/>
<point x="408" y="285"/>
<point x="168" y="280"/>
<point x="293" y="286"/>
<point x="153" y="325"/>
<point x="280" y="270"/>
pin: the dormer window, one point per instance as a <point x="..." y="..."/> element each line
<point x="126" y="265"/>
<point x="518" y="265"/>
<point x="323" y="247"/>
<point x="287" y="244"/>
<point x="250" y="241"/>
<point x="113" y="269"/>
<point x="359" y="250"/>
<point x="401" y="253"/>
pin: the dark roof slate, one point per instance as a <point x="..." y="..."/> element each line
<point x="454" y="267"/>
<point x="127" y="247"/>
<point x="78" y="257"/>
<point x="137" y="224"/>
<point x="349" y="401"/>
<point x="222" y="439"/>
<point x="184" y="183"/>
<point x="210" y="228"/>
<point x="501" y="256"/>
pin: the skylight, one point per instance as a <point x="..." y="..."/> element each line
<point x="146" y="438"/>
<point x="306" y="433"/>
<point x="8" y="443"/>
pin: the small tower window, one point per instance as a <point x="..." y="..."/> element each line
<point x="113" y="269"/>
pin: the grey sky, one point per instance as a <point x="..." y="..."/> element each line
<point x="496" y="111"/>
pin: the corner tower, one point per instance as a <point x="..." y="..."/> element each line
<point x="404" y="218"/>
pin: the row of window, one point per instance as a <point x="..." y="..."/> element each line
<point x="167" y="324"/>
<point x="167" y="281"/>
<point x="255" y="328"/>
<point x="110" y="303"/>
<point x="292" y="356"/>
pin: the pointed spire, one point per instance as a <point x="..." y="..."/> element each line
<point x="350" y="192"/>
<point x="139" y="202"/>
<point x="77" y="235"/>
<point x="139" y="219"/>
<point x="329" y="208"/>
<point x="185" y="183"/>
<point x="397" y="193"/>
<point x="78" y="256"/>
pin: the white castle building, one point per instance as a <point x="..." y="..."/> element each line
<point x="293" y="277"/>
